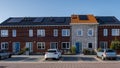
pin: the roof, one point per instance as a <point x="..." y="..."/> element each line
<point x="36" y="21"/>
<point x="103" y="20"/>
<point x="83" y="19"/>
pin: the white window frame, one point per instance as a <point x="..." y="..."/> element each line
<point x="105" y="32"/>
<point x="41" y="32"/>
<point x="3" y="45"/>
<point x="92" y="32"/>
<point x="55" y="32"/>
<point x="4" y="33"/>
<point x="41" y="44"/>
<point x="53" y="42"/>
<point x="14" y="33"/>
<point x="105" y="44"/>
<point x="30" y="33"/>
<point x="88" y="45"/>
<point x="115" y="32"/>
<point x="65" y="32"/>
<point x="78" y="32"/>
<point x="66" y="46"/>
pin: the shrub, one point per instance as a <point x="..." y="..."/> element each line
<point x="73" y="50"/>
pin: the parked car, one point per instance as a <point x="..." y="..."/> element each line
<point x="4" y="54"/>
<point x="52" y="54"/>
<point x="106" y="53"/>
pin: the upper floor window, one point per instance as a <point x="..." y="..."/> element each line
<point x="115" y="32"/>
<point x="4" y="45"/>
<point x="30" y="33"/>
<point x="40" y="32"/>
<point x="65" y="32"/>
<point x="90" y="32"/>
<point x="4" y="33"/>
<point x="79" y="32"/>
<point x="14" y="33"/>
<point x="105" y="32"/>
<point x="55" y="32"/>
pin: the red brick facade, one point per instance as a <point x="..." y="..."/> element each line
<point x="22" y="36"/>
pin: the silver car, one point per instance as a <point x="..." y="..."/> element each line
<point x="106" y="53"/>
<point x="4" y="54"/>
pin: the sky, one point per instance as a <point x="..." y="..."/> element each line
<point x="43" y="8"/>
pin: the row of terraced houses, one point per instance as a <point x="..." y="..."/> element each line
<point x="42" y="33"/>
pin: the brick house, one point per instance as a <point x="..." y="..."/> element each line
<point x="84" y="32"/>
<point x="108" y="29"/>
<point x="36" y="33"/>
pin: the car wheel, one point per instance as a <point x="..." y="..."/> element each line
<point x="103" y="58"/>
<point x="10" y="56"/>
<point x="115" y="58"/>
<point x="46" y="58"/>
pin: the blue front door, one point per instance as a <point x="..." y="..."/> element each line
<point x="16" y="47"/>
<point x="78" y="47"/>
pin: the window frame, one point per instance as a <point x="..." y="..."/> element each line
<point x="41" y="33"/>
<point x="41" y="45"/>
<point x="30" y="32"/>
<point x="105" y="32"/>
<point x="115" y="32"/>
<point x="4" y="45"/>
<point x="4" y="34"/>
<point x="92" y="32"/>
<point x="55" y="32"/>
<point x="14" y="33"/>
<point x="66" y="45"/>
<point x="89" y="46"/>
<point x="78" y="32"/>
<point x="65" y="32"/>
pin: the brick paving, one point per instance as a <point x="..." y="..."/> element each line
<point x="61" y="65"/>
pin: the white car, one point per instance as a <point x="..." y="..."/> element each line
<point x="52" y="54"/>
<point x="4" y="54"/>
<point x="106" y="53"/>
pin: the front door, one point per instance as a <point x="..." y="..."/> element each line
<point x="30" y="46"/>
<point x="16" y="47"/>
<point x="78" y="47"/>
<point x="54" y="45"/>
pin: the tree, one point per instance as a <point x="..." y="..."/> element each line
<point x="115" y="44"/>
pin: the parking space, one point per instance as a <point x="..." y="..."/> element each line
<point x="23" y="58"/>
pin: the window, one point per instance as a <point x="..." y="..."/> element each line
<point x="89" y="45"/>
<point x="105" y="32"/>
<point x="4" y="33"/>
<point x="103" y="45"/>
<point x="79" y="32"/>
<point x="54" y="45"/>
<point x="41" y="33"/>
<point x="55" y="32"/>
<point x="4" y="45"/>
<point x="65" y="45"/>
<point x="115" y="32"/>
<point x="90" y="32"/>
<point x="14" y="33"/>
<point x="65" y="32"/>
<point x="30" y="33"/>
<point x="41" y="45"/>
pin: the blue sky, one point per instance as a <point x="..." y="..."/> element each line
<point x="29" y="8"/>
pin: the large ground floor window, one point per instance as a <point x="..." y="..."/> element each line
<point x="103" y="44"/>
<point x="41" y="45"/>
<point x="4" y="45"/>
<point x="65" y="45"/>
<point x="53" y="45"/>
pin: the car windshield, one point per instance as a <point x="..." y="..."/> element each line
<point x="110" y="51"/>
<point x="51" y="51"/>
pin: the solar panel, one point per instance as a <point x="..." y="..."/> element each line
<point x="15" y="20"/>
<point x="59" y="20"/>
<point x="83" y="17"/>
<point x="107" y="19"/>
<point x="38" y="20"/>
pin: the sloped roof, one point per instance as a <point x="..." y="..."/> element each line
<point x="83" y="19"/>
<point x="107" y="20"/>
<point x="36" y="21"/>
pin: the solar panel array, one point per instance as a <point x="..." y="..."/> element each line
<point x="107" y="19"/>
<point x="15" y="20"/>
<point x="38" y="20"/>
<point x="59" y="20"/>
<point x="83" y="17"/>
